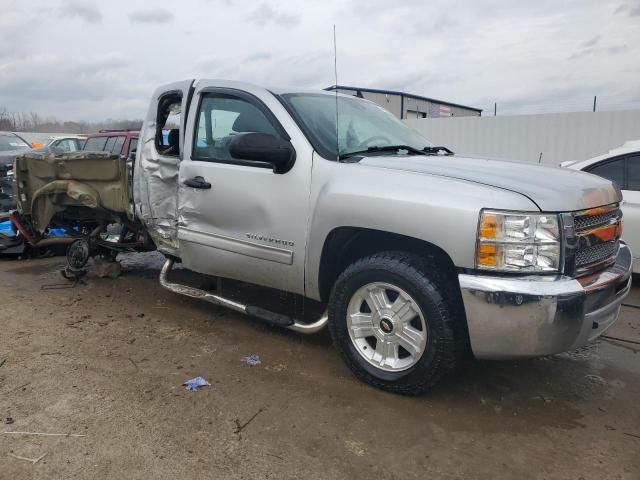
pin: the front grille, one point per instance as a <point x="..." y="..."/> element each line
<point x="593" y="242"/>
<point x="596" y="254"/>
<point x="585" y="222"/>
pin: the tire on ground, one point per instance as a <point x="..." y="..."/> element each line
<point x="421" y="279"/>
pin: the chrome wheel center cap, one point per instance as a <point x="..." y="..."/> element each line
<point x="386" y="325"/>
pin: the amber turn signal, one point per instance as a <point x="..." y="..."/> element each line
<point x="487" y="255"/>
<point x="488" y="226"/>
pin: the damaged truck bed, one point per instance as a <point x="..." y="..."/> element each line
<point x="81" y="192"/>
<point x="68" y="184"/>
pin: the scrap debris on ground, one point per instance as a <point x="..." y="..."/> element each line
<point x="194" y="384"/>
<point x="251" y="360"/>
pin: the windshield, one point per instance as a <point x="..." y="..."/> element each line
<point x="12" y="142"/>
<point x="362" y="124"/>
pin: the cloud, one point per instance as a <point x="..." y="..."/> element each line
<point x="90" y="78"/>
<point x="307" y="70"/>
<point x="266" y="14"/>
<point x="586" y="48"/>
<point x="20" y="40"/>
<point x="259" y="56"/>
<point x="151" y="15"/>
<point x="82" y="10"/>
<point x="633" y="11"/>
<point x="82" y="88"/>
<point x="592" y="42"/>
<point x="616" y="49"/>
<point x="591" y="50"/>
<point x="474" y="54"/>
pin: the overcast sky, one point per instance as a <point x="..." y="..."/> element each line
<point x="89" y="60"/>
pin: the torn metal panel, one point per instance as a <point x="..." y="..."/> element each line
<point x="155" y="190"/>
<point x="47" y="184"/>
<point x="155" y="185"/>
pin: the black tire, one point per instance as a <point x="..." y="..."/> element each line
<point x="421" y="278"/>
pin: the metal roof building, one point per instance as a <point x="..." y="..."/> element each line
<point x="408" y="105"/>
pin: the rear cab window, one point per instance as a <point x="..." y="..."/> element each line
<point x="95" y="144"/>
<point x="116" y="149"/>
<point x="111" y="144"/>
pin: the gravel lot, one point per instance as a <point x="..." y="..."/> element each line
<point x="107" y="358"/>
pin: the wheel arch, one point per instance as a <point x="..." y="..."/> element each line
<point x="345" y="245"/>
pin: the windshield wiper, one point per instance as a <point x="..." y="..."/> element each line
<point x="437" y="150"/>
<point x="384" y="148"/>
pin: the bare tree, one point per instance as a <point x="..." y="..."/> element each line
<point x="35" y="122"/>
<point x="5" y="120"/>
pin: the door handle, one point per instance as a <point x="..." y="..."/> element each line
<point x="197" y="182"/>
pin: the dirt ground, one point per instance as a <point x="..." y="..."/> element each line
<point x="107" y="359"/>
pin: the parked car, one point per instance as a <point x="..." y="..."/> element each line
<point x="68" y="143"/>
<point x="416" y="256"/>
<point x="11" y="144"/>
<point x="622" y="166"/>
<point x="116" y="142"/>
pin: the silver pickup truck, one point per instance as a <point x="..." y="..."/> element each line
<point x="418" y="257"/>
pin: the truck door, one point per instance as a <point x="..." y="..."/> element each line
<point x="155" y="181"/>
<point x="237" y="218"/>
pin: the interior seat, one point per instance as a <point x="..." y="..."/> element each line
<point x="173" y="139"/>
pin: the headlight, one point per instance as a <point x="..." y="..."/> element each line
<point x="518" y="242"/>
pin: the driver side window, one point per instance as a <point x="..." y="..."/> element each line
<point x="220" y="117"/>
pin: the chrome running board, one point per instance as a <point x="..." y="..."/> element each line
<point x="260" y="313"/>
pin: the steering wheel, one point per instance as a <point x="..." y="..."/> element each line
<point x="365" y="144"/>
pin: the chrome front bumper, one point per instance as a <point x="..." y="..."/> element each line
<point x="511" y="317"/>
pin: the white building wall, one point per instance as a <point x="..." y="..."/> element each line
<point x="558" y="136"/>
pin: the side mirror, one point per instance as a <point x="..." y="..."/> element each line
<point x="263" y="147"/>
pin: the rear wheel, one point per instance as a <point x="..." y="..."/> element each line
<point x="391" y="323"/>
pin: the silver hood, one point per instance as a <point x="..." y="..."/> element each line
<point x="552" y="189"/>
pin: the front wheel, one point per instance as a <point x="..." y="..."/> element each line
<point x="391" y="323"/>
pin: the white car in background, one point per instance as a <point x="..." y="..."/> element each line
<point x="622" y="166"/>
<point x="67" y="143"/>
